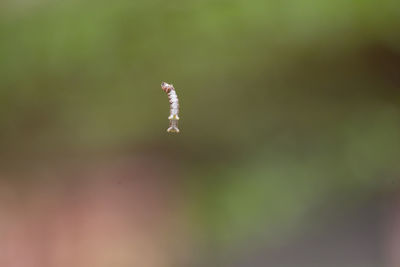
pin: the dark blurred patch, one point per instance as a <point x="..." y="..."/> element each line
<point x="385" y="61"/>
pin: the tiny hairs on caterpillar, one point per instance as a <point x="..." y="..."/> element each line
<point x="173" y="107"/>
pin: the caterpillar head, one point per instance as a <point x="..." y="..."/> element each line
<point x="166" y="87"/>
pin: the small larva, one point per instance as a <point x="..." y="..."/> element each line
<point x="174" y="107"/>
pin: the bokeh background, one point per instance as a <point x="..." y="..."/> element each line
<point x="290" y="133"/>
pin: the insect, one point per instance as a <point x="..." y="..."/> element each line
<point x="174" y="107"/>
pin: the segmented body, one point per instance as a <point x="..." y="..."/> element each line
<point x="174" y="107"/>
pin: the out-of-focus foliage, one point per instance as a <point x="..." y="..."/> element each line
<point x="284" y="104"/>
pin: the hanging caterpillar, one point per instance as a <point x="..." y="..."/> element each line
<point x="174" y="107"/>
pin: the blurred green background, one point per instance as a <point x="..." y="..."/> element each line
<point x="289" y="110"/>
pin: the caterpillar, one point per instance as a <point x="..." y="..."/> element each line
<point x="174" y="107"/>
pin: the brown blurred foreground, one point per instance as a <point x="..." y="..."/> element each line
<point x="104" y="213"/>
